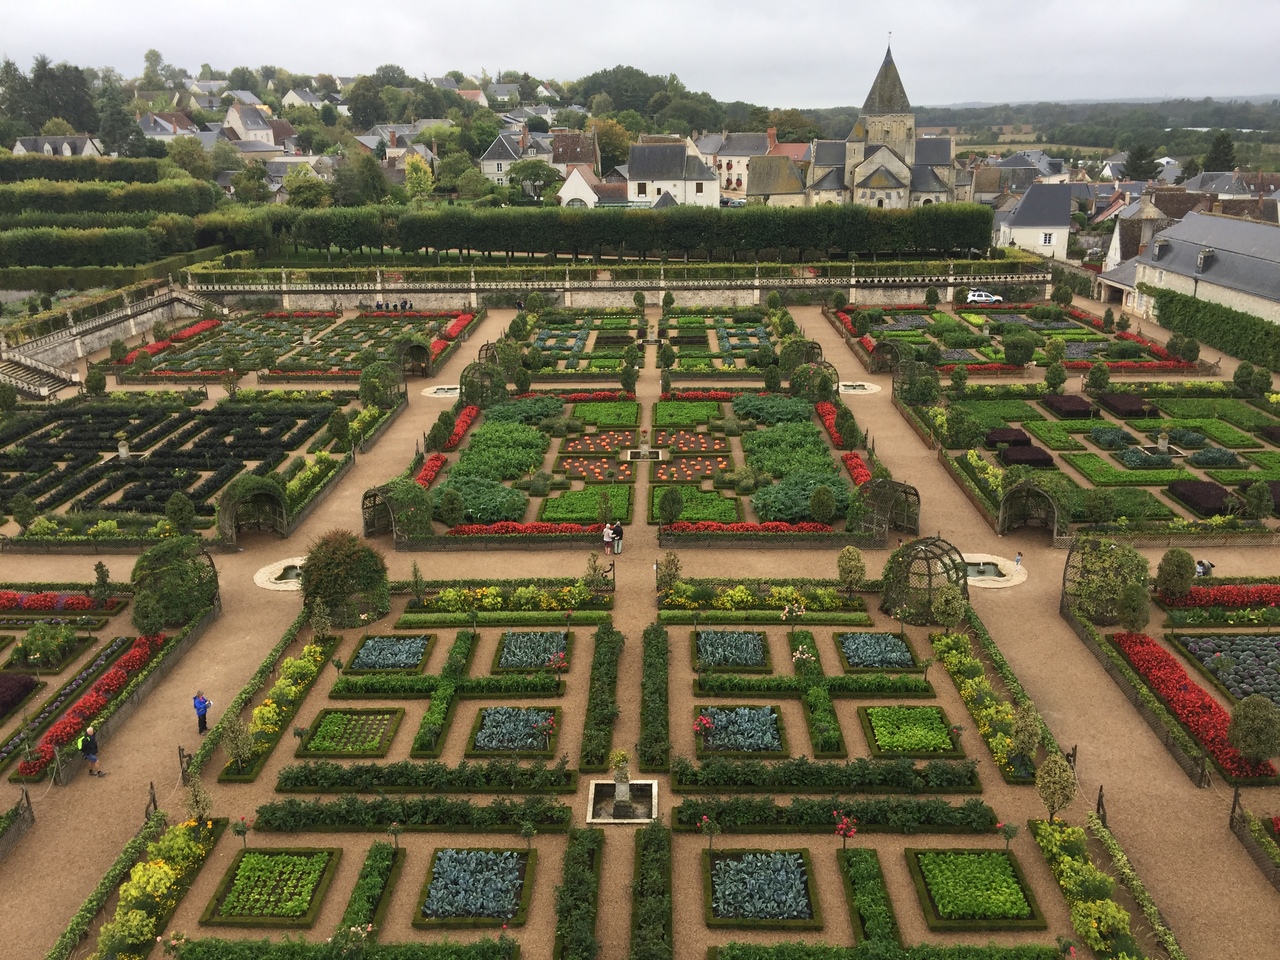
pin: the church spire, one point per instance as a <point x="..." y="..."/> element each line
<point x="887" y="94"/>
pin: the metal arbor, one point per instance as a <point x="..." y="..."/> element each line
<point x="915" y="572"/>
<point x="885" y="357"/>
<point x="1027" y="504"/>
<point x="481" y="384"/>
<point x="377" y="514"/>
<point x="250" y="505"/>
<point x="893" y="504"/>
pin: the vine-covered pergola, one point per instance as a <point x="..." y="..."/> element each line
<point x="482" y="383"/>
<point x="916" y="571"/>
<point x="1027" y="504"/>
<point x="885" y="356"/>
<point x="892" y="504"/>
<point x="252" y="503"/>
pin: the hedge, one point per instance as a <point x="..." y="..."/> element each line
<point x="655" y="732"/>
<point x="50" y="279"/>
<point x="168" y="196"/>
<point x="37" y="166"/>
<point x="1242" y="335"/>
<point x="602" y="700"/>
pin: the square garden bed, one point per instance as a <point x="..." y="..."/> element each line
<point x="351" y="732"/>
<point x="731" y="651"/>
<point x="1204" y="497"/>
<point x="874" y="652"/>
<point x="514" y="732"/>
<point x="973" y="890"/>
<point x="273" y="888"/>
<point x="1069" y="407"/>
<point x="394" y="654"/>
<point x="739" y="731"/>
<point x="1029" y="456"/>
<point x="476" y="888"/>
<point x="908" y="732"/>
<point x="760" y="890"/>
<point x="523" y="651"/>
<point x="698" y="505"/>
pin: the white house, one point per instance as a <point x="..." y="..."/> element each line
<point x="657" y="169"/>
<point x="167" y="126"/>
<point x="79" y="146"/>
<point x="302" y="98"/>
<point x="582" y="188"/>
<point x="249" y="123"/>
<point x="1041" y="222"/>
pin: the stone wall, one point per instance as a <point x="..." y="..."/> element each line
<point x="1203" y="290"/>
<point x="62" y="353"/>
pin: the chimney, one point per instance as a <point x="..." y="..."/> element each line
<point x="391" y="138"/>
<point x="772" y="135"/>
<point x="1204" y="259"/>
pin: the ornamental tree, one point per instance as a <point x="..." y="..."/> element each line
<point x="668" y="573"/>
<point x="179" y="580"/>
<point x="1134" y="607"/>
<point x="1176" y="573"/>
<point x="345" y="574"/>
<point x="949" y="606"/>
<point x="1056" y="783"/>
<point x="1258" y="502"/>
<point x="1106" y="568"/>
<point x="1255" y="728"/>
<point x="670" y="505"/>
<point x="851" y="568"/>
<point x="1098" y="378"/>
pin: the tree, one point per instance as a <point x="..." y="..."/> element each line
<point x="822" y="504"/>
<point x="180" y="511"/>
<point x="100" y="592"/>
<point x="604" y="507"/>
<point x="1243" y="378"/>
<point x="1175" y="574"/>
<point x="1056" y="783"/>
<point x="305" y="189"/>
<point x="1055" y="378"/>
<point x="1108" y="320"/>
<point x="378" y="385"/>
<point x="95" y="382"/>
<point x="250" y="184"/>
<point x="176" y="575"/>
<point x="1055" y="350"/>
<point x="959" y="379"/>
<point x="533" y="176"/>
<point x="628" y="376"/>
<point x="57" y="127"/>
<point x="419" y="181"/>
<point x="1018" y="351"/>
<point x="190" y="154"/>
<point x="851" y="568"/>
<point x="613" y="140"/>
<point x="226" y="157"/>
<point x="670" y="505"/>
<point x="1255" y="728"/>
<point x="23" y="509"/>
<point x="1221" y="157"/>
<point x="1258" y="502"/>
<point x="1026" y="731"/>
<point x="1061" y="295"/>
<point x="1134" y="607"/>
<point x="1140" y="164"/>
<point x="948" y="606"/>
<point x="199" y="803"/>
<point x="340" y="429"/>
<point x="345" y="574"/>
<point x="1098" y="378"/>
<point x="668" y="573"/>
<point x="473" y="184"/>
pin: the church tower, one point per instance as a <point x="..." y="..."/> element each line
<point x="886" y="117"/>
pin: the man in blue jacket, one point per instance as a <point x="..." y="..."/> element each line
<point x="202" y="707"/>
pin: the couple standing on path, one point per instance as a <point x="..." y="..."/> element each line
<point x="613" y="537"/>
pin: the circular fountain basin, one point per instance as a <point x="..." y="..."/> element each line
<point x="284" y="575"/>
<point x="990" y="572"/>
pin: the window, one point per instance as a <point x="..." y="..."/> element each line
<point x="642" y="189"/>
<point x="659" y="192"/>
<point x="499" y="168"/>
<point x="499" y="181"/>
<point x="697" y="187"/>
<point x="1047" y="239"/>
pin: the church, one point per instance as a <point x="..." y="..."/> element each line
<point x="882" y="163"/>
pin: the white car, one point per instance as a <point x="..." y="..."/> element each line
<point x="981" y="296"/>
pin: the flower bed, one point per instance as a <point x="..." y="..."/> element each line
<point x="15" y="690"/>
<point x="510" y="528"/>
<point x="1204" y="497"/>
<point x="730" y="649"/>
<point x="772" y="526"/>
<point x="973" y="890"/>
<point x="689" y="441"/>
<point x="597" y="469"/>
<point x="1228" y="595"/>
<point x="730" y="731"/>
<point x="476" y="888"/>
<point x="908" y="732"/>
<point x="282" y="887"/>
<point x="374" y="654"/>
<point x="526" y="650"/>
<point x="700" y="506"/>
<point x="760" y="890"/>
<point x="1200" y="713"/>
<point x="461" y="425"/>
<point x="1128" y="406"/>
<point x="1009" y="436"/>
<point x="874" y="651"/>
<point x="1069" y="407"/>
<point x="514" y="732"/>
<point x="350" y="732"/>
<point x="48" y="601"/>
<point x="689" y="469"/>
<point x="603" y="441"/>
<point x="430" y="469"/>
<point x="859" y="472"/>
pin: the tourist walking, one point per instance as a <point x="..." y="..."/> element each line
<point x="88" y="745"/>
<point x="617" y="536"/>
<point x="202" y="707"/>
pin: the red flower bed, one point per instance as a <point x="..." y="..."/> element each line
<point x="320" y="374"/>
<point x="438" y="347"/>
<point x="723" y="396"/>
<point x="857" y="468"/>
<point x="510" y="527"/>
<point x="415" y="314"/>
<point x="301" y="314"/>
<point x="1204" y="716"/>
<point x="868" y="343"/>
<point x="186" y="333"/>
<point x="430" y="469"/>
<point x="151" y="349"/>
<point x="1076" y="314"/>
<point x="1146" y="344"/>
<point x="772" y="526"/>
<point x="82" y="712"/>
<point x="1229" y="595"/>
<point x="827" y="413"/>
<point x="462" y="425"/>
<point x="980" y="367"/>
<point x="455" y="328"/>
<point x="46" y="600"/>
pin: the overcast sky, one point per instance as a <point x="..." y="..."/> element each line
<point x="823" y="53"/>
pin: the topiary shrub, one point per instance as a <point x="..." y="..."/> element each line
<point x="1175" y="574"/>
<point x="177" y="577"/>
<point x="346" y="575"/>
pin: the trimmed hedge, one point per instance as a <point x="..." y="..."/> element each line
<point x="602" y="700"/>
<point x="188" y="197"/>
<point x="805" y="815"/>
<point x="1240" y="334"/>
<point x="36" y="166"/>
<point x="408" y="776"/>
<point x="655" y="732"/>
<point x="412" y="813"/>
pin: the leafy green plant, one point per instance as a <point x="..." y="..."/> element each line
<point x="909" y="729"/>
<point x="970" y="885"/>
<point x="474" y="883"/>
<point x="531" y="649"/>
<point x="760" y="886"/>
<point x="730" y="648"/>
<point x="742" y="729"/>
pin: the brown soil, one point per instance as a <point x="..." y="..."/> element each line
<point x="1171" y="830"/>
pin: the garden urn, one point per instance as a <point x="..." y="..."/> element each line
<point x="1162" y="442"/>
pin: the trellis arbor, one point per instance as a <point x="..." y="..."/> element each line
<point x="1027" y="504"/>
<point x="892" y="504"/>
<point x="915" y="572"/>
<point x="482" y="383"/>
<point x="885" y="357"/>
<point x="252" y="503"/>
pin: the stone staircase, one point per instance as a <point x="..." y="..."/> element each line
<point x="32" y="378"/>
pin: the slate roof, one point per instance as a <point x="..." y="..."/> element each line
<point x="1043" y="205"/>
<point x="247" y="118"/>
<point x="709" y="144"/>
<point x="206" y="87"/>
<point x="1218" y="183"/>
<point x="165" y="124"/>
<point x="503" y="91"/>
<point x="505" y="147"/>
<point x="833" y="179"/>
<point x="281" y="130"/>
<point x="77" y="144"/>
<point x="664" y="161"/>
<point x="744" y="145"/>
<point x="887" y="94"/>
<point x="935" y="151"/>
<point x="246" y="96"/>
<point x="575" y="148"/>
<point x="307" y="97"/>
<point x="828" y="153"/>
<point x="924" y="180"/>
<point x="444" y="83"/>
<point x="1125" y="275"/>
<point x="775" y="175"/>
<point x="881" y="179"/>
<point x="1246" y="254"/>
<point x="666" y="200"/>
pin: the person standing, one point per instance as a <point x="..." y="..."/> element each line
<point x="88" y="745"/>
<point x="608" y="539"/>
<point x="617" y="536"/>
<point x="202" y="707"/>
<point x="1017" y="561"/>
